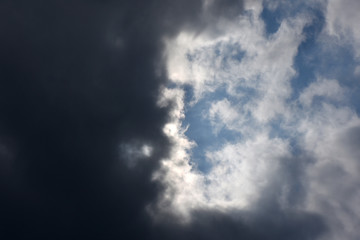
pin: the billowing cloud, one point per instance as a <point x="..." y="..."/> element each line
<point x="290" y="129"/>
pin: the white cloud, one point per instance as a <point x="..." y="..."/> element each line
<point x="223" y="114"/>
<point x="179" y="176"/>
<point x="240" y="56"/>
<point x="342" y="17"/>
<point x="256" y="72"/>
<point x="241" y="171"/>
<point x="329" y="89"/>
<point x="334" y="175"/>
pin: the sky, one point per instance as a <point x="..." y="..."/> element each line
<point x="192" y="119"/>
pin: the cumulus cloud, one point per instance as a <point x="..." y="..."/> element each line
<point x="293" y="138"/>
<point x="242" y="57"/>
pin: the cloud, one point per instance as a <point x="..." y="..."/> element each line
<point x="328" y="137"/>
<point x="91" y="145"/>
<point x="94" y="96"/>
<point x="342" y="19"/>
<point x="79" y="80"/>
<point x="222" y="113"/>
<point x="328" y="89"/>
<point x="295" y="136"/>
<point x="242" y="57"/>
<point x="134" y="152"/>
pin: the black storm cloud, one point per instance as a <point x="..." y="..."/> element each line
<point x="79" y="79"/>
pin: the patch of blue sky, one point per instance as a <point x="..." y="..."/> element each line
<point x="271" y="19"/>
<point x="201" y="130"/>
<point x="274" y="11"/>
<point x="309" y="55"/>
<point x="189" y="93"/>
<point x="341" y="65"/>
<point x="229" y="51"/>
<point x="273" y="16"/>
<point x="313" y="59"/>
<point x="241" y="94"/>
<point x="330" y="60"/>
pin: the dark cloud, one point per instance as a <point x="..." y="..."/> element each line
<point x="268" y="225"/>
<point x="77" y="80"/>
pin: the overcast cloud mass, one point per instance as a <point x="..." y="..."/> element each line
<point x="192" y="119"/>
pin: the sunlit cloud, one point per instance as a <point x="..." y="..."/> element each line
<point x="244" y="80"/>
